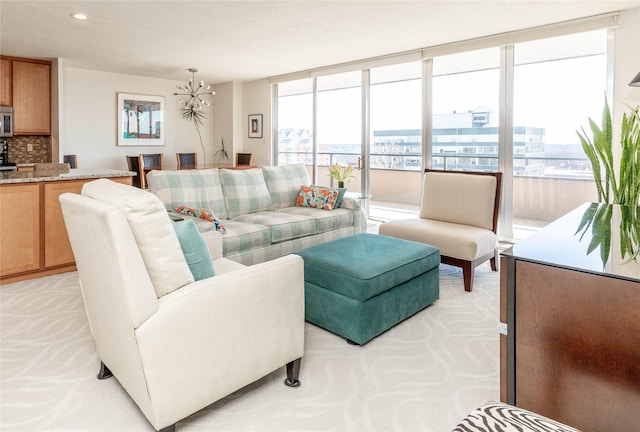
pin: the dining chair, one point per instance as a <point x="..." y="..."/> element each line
<point x="187" y="161"/>
<point x="72" y="160"/>
<point x="148" y="162"/>
<point x="244" y="159"/>
<point x="133" y="164"/>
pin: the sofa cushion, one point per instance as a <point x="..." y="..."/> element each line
<point x="241" y="236"/>
<point x="284" y="226"/>
<point x="325" y="220"/>
<point x="195" y="249"/>
<point x="317" y="197"/>
<point x="152" y="229"/>
<point x="191" y="188"/>
<point x="245" y="191"/>
<point x="284" y="183"/>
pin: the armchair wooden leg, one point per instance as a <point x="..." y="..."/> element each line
<point x="467" y="273"/>
<point x="104" y="372"/>
<point x="293" y="371"/>
<point x="494" y="261"/>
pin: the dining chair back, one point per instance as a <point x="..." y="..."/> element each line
<point x="187" y="161"/>
<point x="244" y="159"/>
<point x="72" y="160"/>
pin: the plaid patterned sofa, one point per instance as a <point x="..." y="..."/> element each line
<point x="257" y="208"/>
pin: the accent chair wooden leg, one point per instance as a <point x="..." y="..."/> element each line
<point x="104" y="372"/>
<point x="494" y="261"/>
<point x="293" y="371"/>
<point x="467" y="274"/>
<point x="171" y="428"/>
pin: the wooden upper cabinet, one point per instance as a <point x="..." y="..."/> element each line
<point x="6" y="77"/>
<point x="32" y="97"/>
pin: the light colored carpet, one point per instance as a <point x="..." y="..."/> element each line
<point x="425" y="374"/>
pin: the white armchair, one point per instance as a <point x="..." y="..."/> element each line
<point x="177" y="345"/>
<point x="458" y="215"/>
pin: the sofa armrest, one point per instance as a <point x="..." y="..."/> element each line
<point x="351" y="204"/>
<point x="214" y="243"/>
<point x="214" y="336"/>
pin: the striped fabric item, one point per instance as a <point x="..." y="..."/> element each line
<point x="245" y="191"/>
<point x="325" y="220"/>
<point x="276" y="250"/>
<point x="500" y="417"/>
<point x="191" y="188"/>
<point x="240" y="236"/>
<point x="284" y="183"/>
<point x="284" y="226"/>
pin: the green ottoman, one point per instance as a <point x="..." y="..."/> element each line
<point x="361" y="285"/>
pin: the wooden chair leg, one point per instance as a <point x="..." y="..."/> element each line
<point x="494" y="261"/>
<point x="467" y="273"/>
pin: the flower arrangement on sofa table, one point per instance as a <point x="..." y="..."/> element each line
<point x="341" y="173"/>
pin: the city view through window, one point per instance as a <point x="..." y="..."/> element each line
<point x="558" y="84"/>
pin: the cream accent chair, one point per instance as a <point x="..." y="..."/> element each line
<point x="176" y="345"/>
<point x="459" y="215"/>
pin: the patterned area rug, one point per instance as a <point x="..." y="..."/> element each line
<point x="425" y="374"/>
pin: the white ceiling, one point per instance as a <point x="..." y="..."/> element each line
<point x="246" y="40"/>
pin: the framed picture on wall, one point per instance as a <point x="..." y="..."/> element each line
<point x="140" y="120"/>
<point x="255" y="125"/>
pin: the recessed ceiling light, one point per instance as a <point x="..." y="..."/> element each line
<point x="79" y="16"/>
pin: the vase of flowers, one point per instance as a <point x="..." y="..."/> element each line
<point x="341" y="173"/>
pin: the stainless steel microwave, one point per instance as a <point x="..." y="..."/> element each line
<point x="6" y="122"/>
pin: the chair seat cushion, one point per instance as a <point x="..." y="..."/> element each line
<point x="454" y="240"/>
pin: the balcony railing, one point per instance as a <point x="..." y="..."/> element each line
<point x="544" y="188"/>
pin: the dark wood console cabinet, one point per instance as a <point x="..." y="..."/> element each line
<point x="571" y="351"/>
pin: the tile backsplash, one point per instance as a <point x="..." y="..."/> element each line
<point x="19" y="146"/>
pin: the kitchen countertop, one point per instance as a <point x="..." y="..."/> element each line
<point x="7" y="177"/>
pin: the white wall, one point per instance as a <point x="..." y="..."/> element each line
<point x="89" y="124"/>
<point x="256" y="99"/>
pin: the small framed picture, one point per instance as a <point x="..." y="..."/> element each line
<point x="255" y="125"/>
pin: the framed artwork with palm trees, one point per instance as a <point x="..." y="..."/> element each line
<point x="140" y="120"/>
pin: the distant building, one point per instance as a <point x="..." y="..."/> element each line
<point x="465" y="140"/>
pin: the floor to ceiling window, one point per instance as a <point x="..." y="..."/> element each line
<point x="558" y="83"/>
<point x="514" y="107"/>
<point x="295" y="122"/>
<point x="466" y="90"/>
<point x="396" y="133"/>
<point x="339" y="124"/>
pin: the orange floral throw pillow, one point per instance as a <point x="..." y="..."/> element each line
<point x="202" y="214"/>
<point x="317" y="197"/>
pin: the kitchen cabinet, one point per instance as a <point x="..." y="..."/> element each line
<point x="6" y="98"/>
<point x="19" y="228"/>
<point x="571" y="350"/>
<point x="33" y="237"/>
<point x="31" y="97"/>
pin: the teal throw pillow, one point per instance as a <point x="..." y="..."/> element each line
<point x="195" y="249"/>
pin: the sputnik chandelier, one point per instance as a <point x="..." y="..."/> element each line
<point x="194" y="94"/>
